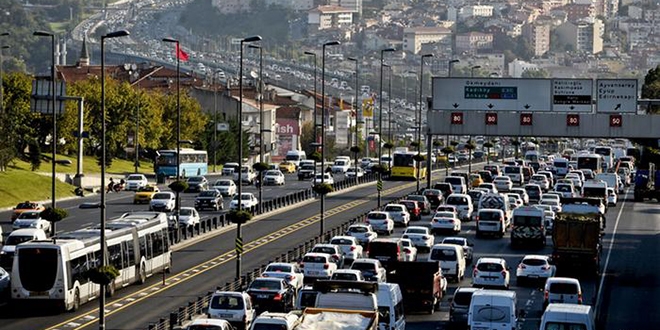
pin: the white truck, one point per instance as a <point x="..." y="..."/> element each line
<point x="337" y="319"/>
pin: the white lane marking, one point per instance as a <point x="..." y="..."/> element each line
<point x="529" y="303"/>
<point x="609" y="253"/>
<point x="533" y="293"/>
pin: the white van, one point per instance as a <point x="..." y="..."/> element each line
<point x="493" y="309"/>
<point x="561" y="166"/>
<point x="515" y="172"/>
<point x="235" y="307"/>
<point x="612" y="180"/>
<point x="390" y="307"/>
<point x="451" y="258"/>
<point x="16" y="237"/>
<point x="351" y="295"/>
<point x="295" y="156"/>
<point x="457" y="184"/>
<point x="568" y="316"/>
<point x="463" y="204"/>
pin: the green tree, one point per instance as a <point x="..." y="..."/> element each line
<point x="307" y="137"/>
<point x="34" y="155"/>
<point x="651" y="87"/>
<point x="540" y="73"/>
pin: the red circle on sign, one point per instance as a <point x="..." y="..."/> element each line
<point x="616" y="120"/>
<point x="491" y="119"/>
<point x="457" y="118"/>
<point x="525" y="119"/>
<point x="572" y="120"/>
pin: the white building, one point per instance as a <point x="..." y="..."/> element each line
<point x="414" y="38"/>
<point x="477" y="11"/>
<point x="327" y="17"/>
<point x="354" y="6"/>
<point x="584" y="36"/>
<point x="518" y="67"/>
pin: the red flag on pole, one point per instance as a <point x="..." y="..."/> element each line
<point x="180" y="54"/>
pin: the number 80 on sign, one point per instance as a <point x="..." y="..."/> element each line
<point x="457" y="118"/>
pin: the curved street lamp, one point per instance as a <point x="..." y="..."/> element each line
<point x="380" y="121"/>
<point x="329" y="43"/>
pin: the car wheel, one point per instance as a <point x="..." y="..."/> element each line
<point x="76" y="301"/>
<point x="143" y="274"/>
<point x="110" y="289"/>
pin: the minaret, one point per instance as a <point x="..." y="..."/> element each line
<point x="84" y="54"/>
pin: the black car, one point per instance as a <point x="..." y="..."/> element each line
<point x="306" y="172"/>
<point x="209" y="199"/>
<point x="271" y="294"/>
<point x="446" y="188"/>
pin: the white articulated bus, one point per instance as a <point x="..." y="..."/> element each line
<point x="56" y="271"/>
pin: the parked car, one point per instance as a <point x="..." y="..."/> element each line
<point x="144" y="194"/>
<point x="162" y="202"/>
<point x="226" y="187"/>
<point x="197" y="184"/>
<point x="136" y="181"/>
<point x="364" y="233"/>
<point x="271" y="294"/>
<point x="211" y="199"/>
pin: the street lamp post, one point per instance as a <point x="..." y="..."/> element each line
<point x="357" y="105"/>
<point x="103" y="255"/>
<point x="380" y="123"/>
<point x="389" y="105"/>
<point x="215" y="120"/>
<point x="329" y="43"/>
<point x="419" y="121"/>
<point x="239" y="234"/>
<point x="2" y="107"/>
<point x="315" y="107"/>
<point x="450" y="65"/>
<point x="261" y="116"/>
<point x="472" y="70"/>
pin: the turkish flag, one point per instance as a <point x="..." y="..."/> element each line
<point x="180" y="54"/>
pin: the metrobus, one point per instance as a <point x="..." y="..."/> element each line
<point x="404" y="166"/>
<point x="193" y="162"/>
<point x="608" y="156"/>
<point x="590" y="161"/>
<point x="55" y="271"/>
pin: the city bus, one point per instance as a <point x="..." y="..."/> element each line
<point x="55" y="271"/>
<point x="590" y="161"/>
<point x="193" y="162"/>
<point x="404" y="166"/>
<point x="608" y="156"/>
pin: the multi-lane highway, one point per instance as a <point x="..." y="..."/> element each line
<point x="627" y="289"/>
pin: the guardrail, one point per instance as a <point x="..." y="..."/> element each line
<point x="200" y="304"/>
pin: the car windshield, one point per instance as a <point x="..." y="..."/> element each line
<point x="489" y="267"/>
<point x="274" y="173"/>
<point x="162" y="196"/>
<point x="307" y="167"/>
<point x="245" y="197"/>
<point x="265" y="285"/>
<point x="443" y="254"/>
<point x="134" y="177"/>
<point x="195" y="179"/>
<point x="222" y="183"/>
<point x="17" y="239"/>
<point x="207" y="193"/>
<point x="23" y="206"/>
<point x="415" y="231"/>
<point x="358" y="230"/>
<point x="148" y="189"/>
<point x="186" y="212"/>
<point x="29" y="215"/>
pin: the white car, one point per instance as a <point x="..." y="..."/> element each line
<point x="348" y="275"/>
<point x="522" y="193"/>
<point x="398" y="213"/>
<point x="340" y="166"/>
<point x="226" y="187"/>
<point x="516" y="200"/>
<point x="317" y="266"/>
<point x="503" y="183"/>
<point x="490" y="187"/>
<point x="540" y="180"/>
<point x="611" y="197"/>
<point x="326" y="177"/>
<point x="188" y="216"/>
<point x="290" y="272"/>
<point x="136" y="181"/>
<point x="445" y="221"/>
<point x="247" y="175"/>
<point x="576" y="179"/>
<point x="364" y="233"/>
<point x="163" y="201"/>
<point x="421" y="237"/>
<point x="554" y="204"/>
<point x="381" y="222"/>
<point x="409" y="249"/>
<point x="350" y="173"/>
<point x="464" y="243"/>
<point x="248" y="201"/>
<point x="534" y="268"/>
<point x="350" y="247"/>
<point x="565" y="189"/>
<point x="372" y="269"/>
<point x="491" y="272"/>
<point x="31" y="219"/>
<point x="274" y="177"/>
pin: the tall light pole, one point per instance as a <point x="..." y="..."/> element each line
<point x="178" y="124"/>
<point x="261" y="115"/>
<point x="389" y="104"/>
<point x="419" y="118"/>
<point x="380" y="123"/>
<point x="215" y="119"/>
<point x="136" y="139"/>
<point x="103" y="257"/>
<point x="356" y="107"/>
<point x="472" y="70"/>
<point x="329" y="43"/>
<point x="2" y="107"/>
<point x="449" y="65"/>
<point x="315" y="108"/>
<point x="239" y="233"/>
<point x="53" y="95"/>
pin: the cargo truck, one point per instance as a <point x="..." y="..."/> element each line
<point x="422" y="285"/>
<point x="337" y="319"/>
<point x="576" y="242"/>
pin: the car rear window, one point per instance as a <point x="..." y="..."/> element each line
<point x="454" y="180"/>
<point x="377" y="216"/>
<point x="363" y="266"/>
<point x="341" y="241"/>
<point x="563" y="288"/>
<point x="521" y="220"/>
<point x="315" y="259"/>
<point x="512" y="169"/>
<point x="226" y="302"/>
<point x="324" y="249"/>
<point x="463" y="298"/>
<point x="455" y="200"/>
<point x="492" y="216"/>
<point x="443" y="254"/>
<point x="489" y="267"/>
<point x="534" y="262"/>
<point x="393" y="208"/>
<point x="382" y="248"/>
<point x="267" y="285"/>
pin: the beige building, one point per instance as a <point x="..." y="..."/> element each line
<point x="414" y="38"/>
<point x="472" y="42"/>
<point x="354" y="6"/>
<point x="328" y="17"/>
<point x="584" y="36"/>
<point x="538" y="36"/>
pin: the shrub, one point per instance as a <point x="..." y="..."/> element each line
<point x="103" y="275"/>
<point x="447" y="150"/>
<point x="260" y="167"/>
<point x="323" y="188"/>
<point x="388" y="145"/>
<point x="241" y="216"/>
<point x="54" y="214"/>
<point x="356" y="149"/>
<point x="178" y="186"/>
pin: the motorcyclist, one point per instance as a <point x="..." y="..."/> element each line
<point x="111" y="185"/>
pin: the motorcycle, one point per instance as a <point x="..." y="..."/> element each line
<point x="117" y="187"/>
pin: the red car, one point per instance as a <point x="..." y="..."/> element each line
<point x="413" y="208"/>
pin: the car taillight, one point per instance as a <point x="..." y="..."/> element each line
<point x="521" y="266"/>
<point x="302" y="265"/>
<point x="546" y="267"/>
<point x="404" y="236"/>
<point x="352" y="248"/>
<point x="475" y="272"/>
<point x="503" y="273"/>
<point x="398" y="251"/>
<point x="451" y="221"/>
<point x="290" y="277"/>
<point x="336" y="256"/>
<point x="579" y="298"/>
<point x="545" y="295"/>
<point x="476" y="218"/>
<point x="278" y="297"/>
<point x="326" y="266"/>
